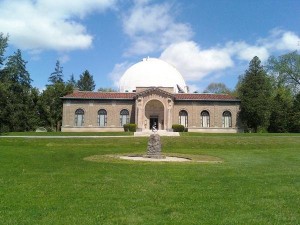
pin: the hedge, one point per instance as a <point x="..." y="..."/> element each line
<point x="130" y="127"/>
<point x="178" y="128"/>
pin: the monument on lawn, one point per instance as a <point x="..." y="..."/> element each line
<point x="154" y="145"/>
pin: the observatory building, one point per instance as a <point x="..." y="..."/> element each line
<point x="151" y="92"/>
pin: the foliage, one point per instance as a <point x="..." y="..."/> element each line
<point x="86" y="82"/>
<point x="255" y="92"/>
<point x="286" y="70"/>
<point x="294" y="125"/>
<point x="281" y="110"/>
<point x="72" y="81"/>
<point x="130" y="127"/>
<point x="178" y="128"/>
<point x="18" y="111"/>
<point x="217" y="88"/>
<point x="57" y="75"/>
<point x="3" y="46"/>
<point x="101" y="89"/>
<point x="51" y="102"/>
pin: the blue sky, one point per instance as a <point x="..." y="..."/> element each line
<point x="208" y="41"/>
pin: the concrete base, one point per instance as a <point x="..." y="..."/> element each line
<point x="147" y="133"/>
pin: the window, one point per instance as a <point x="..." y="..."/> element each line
<point x="227" y="121"/>
<point x="124" y="117"/>
<point x="79" y="118"/>
<point x="102" y="118"/>
<point x="183" y="118"/>
<point x="205" y="119"/>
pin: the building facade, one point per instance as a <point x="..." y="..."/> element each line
<point x="150" y="105"/>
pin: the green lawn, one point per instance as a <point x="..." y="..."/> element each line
<point x="33" y="133"/>
<point x="46" y="181"/>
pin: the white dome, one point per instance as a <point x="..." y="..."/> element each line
<point x="151" y="72"/>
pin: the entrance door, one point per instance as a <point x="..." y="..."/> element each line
<point x="153" y="120"/>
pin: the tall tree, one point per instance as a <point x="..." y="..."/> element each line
<point x="17" y="110"/>
<point x="281" y="110"/>
<point x="3" y="46"/>
<point x="286" y="70"/>
<point x="72" y="81"/>
<point x="255" y="92"/>
<point x="57" y="75"/>
<point x="86" y="82"/>
<point x="3" y="86"/>
<point x="51" y="104"/>
<point x="295" y="115"/>
<point x="217" y="88"/>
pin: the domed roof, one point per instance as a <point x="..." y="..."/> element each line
<point x="151" y="72"/>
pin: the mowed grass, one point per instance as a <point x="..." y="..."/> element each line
<point x="46" y="181"/>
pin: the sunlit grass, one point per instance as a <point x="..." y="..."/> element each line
<point x="47" y="181"/>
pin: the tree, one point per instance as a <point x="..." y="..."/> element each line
<point x="17" y="109"/>
<point x="286" y="70"/>
<point x="86" y="82"/>
<point x="72" y="81"/>
<point x="107" y="90"/>
<point x="281" y="110"/>
<point x="255" y="92"/>
<point x="217" y="88"/>
<point x="295" y="115"/>
<point x="57" y="75"/>
<point x="51" y="104"/>
<point x="3" y="46"/>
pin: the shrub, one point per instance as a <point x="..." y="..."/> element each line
<point x="177" y="128"/>
<point x="130" y="127"/>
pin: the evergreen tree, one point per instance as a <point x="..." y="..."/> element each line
<point x="51" y="104"/>
<point x="17" y="110"/>
<point x="86" y="82"/>
<point x="3" y="86"/>
<point x="3" y="46"/>
<point x="255" y="92"/>
<point x="72" y="81"/>
<point x="57" y="75"/>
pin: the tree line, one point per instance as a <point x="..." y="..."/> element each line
<point x="24" y="107"/>
<point x="269" y="94"/>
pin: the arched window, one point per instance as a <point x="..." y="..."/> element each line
<point x="79" y="118"/>
<point x="102" y="118"/>
<point x="226" y="119"/>
<point x="124" y="117"/>
<point x="205" y="119"/>
<point x="183" y="118"/>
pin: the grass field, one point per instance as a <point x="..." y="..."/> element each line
<point x="47" y="181"/>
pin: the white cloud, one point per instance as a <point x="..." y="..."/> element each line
<point x="195" y="63"/>
<point x="151" y="28"/>
<point x="246" y="52"/>
<point x="48" y="24"/>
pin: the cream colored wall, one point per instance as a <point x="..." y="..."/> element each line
<point x="215" y="110"/>
<point x="170" y="114"/>
<point x="91" y="108"/>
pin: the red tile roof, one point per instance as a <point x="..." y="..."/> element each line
<point x="99" y="95"/>
<point x="131" y="96"/>
<point x="207" y="97"/>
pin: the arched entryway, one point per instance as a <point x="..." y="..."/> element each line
<point x="154" y="114"/>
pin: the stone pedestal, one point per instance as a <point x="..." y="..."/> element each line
<point x="154" y="147"/>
